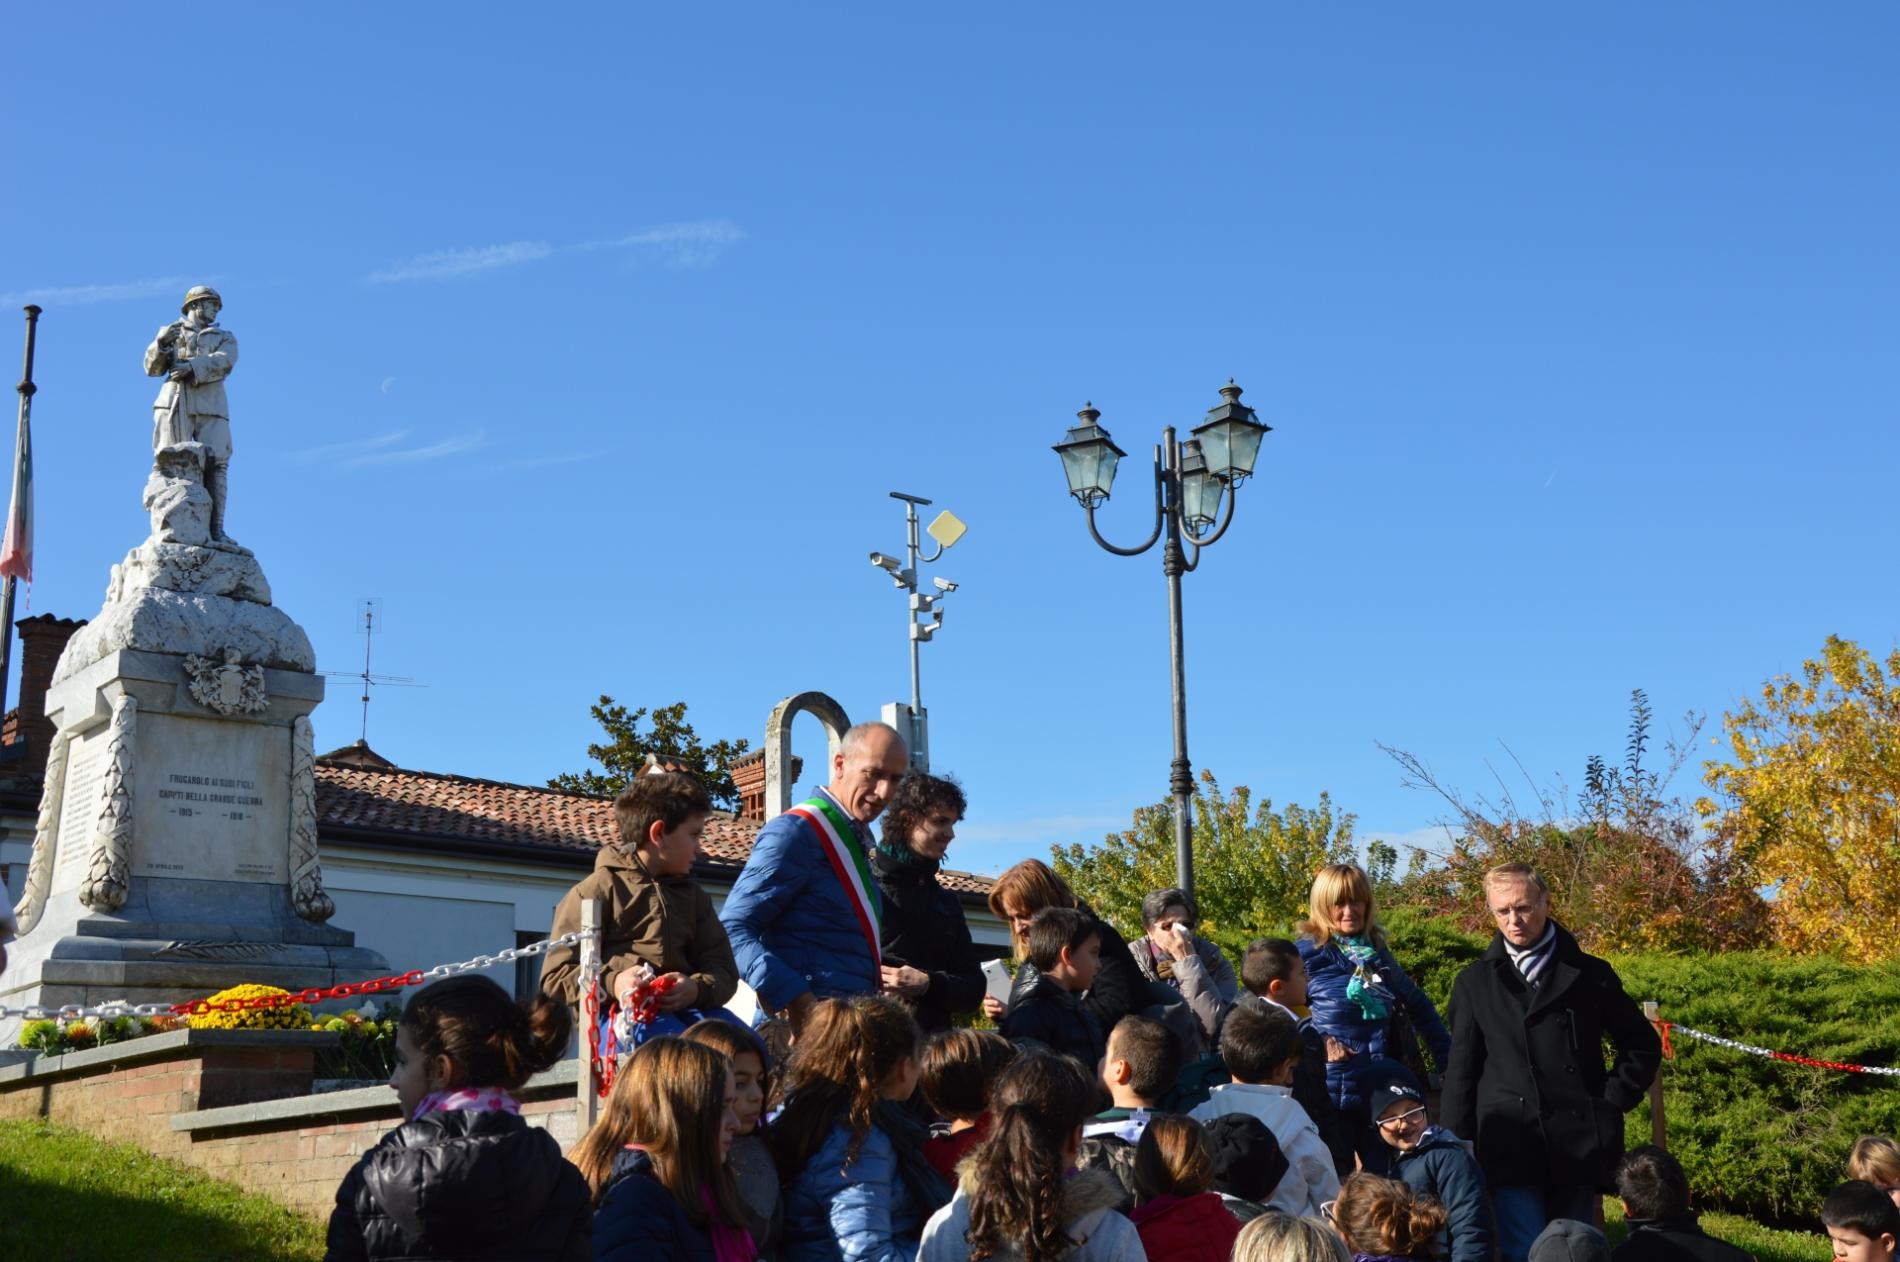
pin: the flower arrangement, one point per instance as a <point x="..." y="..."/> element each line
<point x="368" y="1047"/>
<point x="291" y="1016"/>
<point x="53" y="1039"/>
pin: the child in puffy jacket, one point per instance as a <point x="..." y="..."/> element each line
<point x="1179" y="1217"/>
<point x="464" y="1176"/>
<point x="657" y="1160"/>
<point x="858" y="1187"/>
<point x="1019" y="1197"/>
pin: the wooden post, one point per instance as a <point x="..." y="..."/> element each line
<point x="1658" y="1127"/>
<point x="586" y="1091"/>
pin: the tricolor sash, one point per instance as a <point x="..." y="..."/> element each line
<point x="851" y="865"/>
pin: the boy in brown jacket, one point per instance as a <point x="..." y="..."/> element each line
<point x="655" y="913"/>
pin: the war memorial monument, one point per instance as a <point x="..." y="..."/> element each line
<point x="175" y="852"/>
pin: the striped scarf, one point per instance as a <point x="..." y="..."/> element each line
<point x="1532" y="960"/>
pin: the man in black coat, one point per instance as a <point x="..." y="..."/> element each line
<point x="1526" y="1078"/>
<point x="929" y="958"/>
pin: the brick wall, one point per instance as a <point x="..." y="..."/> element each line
<point x="235" y="1104"/>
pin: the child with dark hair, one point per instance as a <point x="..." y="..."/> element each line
<point x="959" y="1067"/>
<point x="1017" y="1200"/>
<point x="1273" y="973"/>
<point x="657" y="1160"/>
<point x="1261" y="1047"/>
<point x="1382" y="1220"/>
<point x="1662" y="1228"/>
<point x="658" y="924"/>
<point x="1179" y="1217"/>
<point x="1862" y="1221"/>
<point x="857" y="1186"/>
<point x="1431" y="1161"/>
<point x="1139" y="1068"/>
<point x="1065" y="945"/>
<point x="753" y="1171"/>
<point x="464" y="1175"/>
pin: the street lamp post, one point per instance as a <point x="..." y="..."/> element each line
<point x="1195" y="484"/>
<point x="912" y="720"/>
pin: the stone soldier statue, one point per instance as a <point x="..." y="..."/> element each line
<point x="194" y="355"/>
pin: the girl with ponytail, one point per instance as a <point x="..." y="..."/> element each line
<point x="1020" y="1198"/>
<point x="657" y="1160"/>
<point x="1382" y="1220"/>
<point x="1178" y="1217"/>
<point x="464" y="1176"/>
<point x="857" y="1184"/>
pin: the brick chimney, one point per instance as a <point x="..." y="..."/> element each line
<point x="748" y="776"/>
<point x="42" y="639"/>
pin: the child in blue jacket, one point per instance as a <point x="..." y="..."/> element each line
<point x="858" y="1185"/>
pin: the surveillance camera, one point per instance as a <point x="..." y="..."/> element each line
<point x="944" y="585"/>
<point x="891" y="564"/>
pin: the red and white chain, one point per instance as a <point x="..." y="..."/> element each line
<point x="1735" y="1045"/>
<point x="112" y="1008"/>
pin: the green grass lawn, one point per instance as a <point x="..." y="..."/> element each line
<point x="1768" y="1244"/>
<point x="67" y="1197"/>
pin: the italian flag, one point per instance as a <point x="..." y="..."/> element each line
<point x="16" y="550"/>
<point x="850" y="865"/>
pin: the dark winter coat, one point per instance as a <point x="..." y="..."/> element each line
<point x="1119" y="987"/>
<point x="1675" y="1240"/>
<point x="466" y="1185"/>
<point x="1527" y="1078"/>
<point x="1055" y="1018"/>
<point x="924" y="927"/>
<point x="1441" y="1167"/>
<point x="639" y="1219"/>
<point x="1327" y="973"/>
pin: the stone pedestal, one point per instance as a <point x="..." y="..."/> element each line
<point x="176" y="851"/>
<point x="176" y="848"/>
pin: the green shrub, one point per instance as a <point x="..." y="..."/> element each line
<point x="1762" y="1138"/>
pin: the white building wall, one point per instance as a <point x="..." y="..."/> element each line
<point x="420" y="910"/>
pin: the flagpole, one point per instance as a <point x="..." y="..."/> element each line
<point x="26" y="389"/>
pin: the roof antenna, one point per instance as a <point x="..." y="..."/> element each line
<point x="369" y="612"/>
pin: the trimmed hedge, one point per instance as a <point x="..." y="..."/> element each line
<point x="1758" y="1137"/>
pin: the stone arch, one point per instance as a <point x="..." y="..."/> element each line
<point x="778" y="739"/>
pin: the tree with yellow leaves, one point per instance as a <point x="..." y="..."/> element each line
<point x="1813" y="798"/>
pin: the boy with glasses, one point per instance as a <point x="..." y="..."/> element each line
<point x="1432" y="1161"/>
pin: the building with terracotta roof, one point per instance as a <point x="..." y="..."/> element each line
<point x="428" y="867"/>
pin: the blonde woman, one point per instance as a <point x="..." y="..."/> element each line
<point x="1353" y="989"/>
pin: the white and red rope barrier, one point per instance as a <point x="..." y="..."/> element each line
<point x="1736" y="1045"/>
<point x="314" y="994"/>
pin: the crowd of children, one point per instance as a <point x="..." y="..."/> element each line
<point x="1063" y="1138"/>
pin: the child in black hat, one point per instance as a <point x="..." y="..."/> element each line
<point x="1248" y="1163"/>
<point x="1431" y="1160"/>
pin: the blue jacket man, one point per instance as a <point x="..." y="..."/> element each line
<point x="797" y="916"/>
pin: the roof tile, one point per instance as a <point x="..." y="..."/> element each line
<point x="436" y="805"/>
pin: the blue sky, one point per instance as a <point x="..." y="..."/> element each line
<point x="592" y="341"/>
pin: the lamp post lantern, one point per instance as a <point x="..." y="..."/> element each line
<point x="1195" y="484"/>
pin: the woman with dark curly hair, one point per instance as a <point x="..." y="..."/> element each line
<point x="929" y="960"/>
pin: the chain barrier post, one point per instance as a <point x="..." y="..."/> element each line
<point x="586" y="1096"/>
<point x="1658" y="1125"/>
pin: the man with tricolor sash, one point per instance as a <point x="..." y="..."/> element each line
<point x="805" y="914"/>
